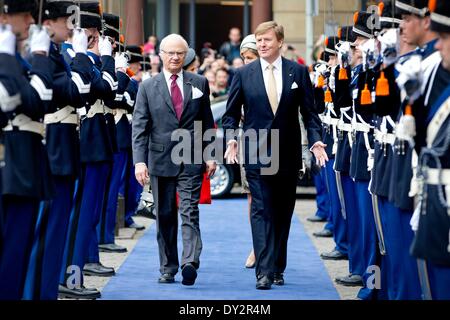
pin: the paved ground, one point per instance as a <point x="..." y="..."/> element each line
<point x="305" y="207"/>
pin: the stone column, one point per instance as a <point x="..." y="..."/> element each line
<point x="261" y="11"/>
<point x="133" y="12"/>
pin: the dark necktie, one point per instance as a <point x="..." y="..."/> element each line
<point x="177" y="98"/>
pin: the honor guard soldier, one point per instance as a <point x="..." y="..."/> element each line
<point x="361" y="87"/>
<point x="24" y="183"/>
<point x="96" y="164"/>
<point x="319" y="70"/>
<point x="392" y="170"/>
<point x="329" y="136"/>
<point x="349" y="62"/>
<point x="130" y="188"/>
<point x="431" y="243"/>
<point x="416" y="32"/>
<point x="71" y="85"/>
<point x="106" y="228"/>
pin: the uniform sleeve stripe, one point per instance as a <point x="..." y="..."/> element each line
<point x="71" y="53"/>
<point x="130" y="102"/>
<point x="44" y="93"/>
<point x="119" y="97"/>
<point x="82" y="88"/>
<point x="107" y="77"/>
<point x="7" y="102"/>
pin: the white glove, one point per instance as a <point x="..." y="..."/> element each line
<point x="390" y="45"/>
<point x="344" y="54"/>
<point x="370" y="53"/>
<point x="121" y="61"/>
<point x="40" y="40"/>
<point x="332" y="81"/>
<point x="7" y="40"/>
<point x="410" y="76"/>
<point x="104" y="46"/>
<point x="79" y="41"/>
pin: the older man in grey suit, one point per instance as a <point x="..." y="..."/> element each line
<point x="168" y="105"/>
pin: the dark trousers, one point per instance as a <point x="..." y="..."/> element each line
<point x="323" y="198"/>
<point x="273" y="202"/>
<point x="48" y="244"/>
<point x="188" y="186"/>
<point x="131" y="190"/>
<point x="19" y="219"/>
<point x="84" y="218"/>
<point x="339" y="223"/>
<point x="107" y="225"/>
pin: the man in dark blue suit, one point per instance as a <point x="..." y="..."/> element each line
<point x="271" y="90"/>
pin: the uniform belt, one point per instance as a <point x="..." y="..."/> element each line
<point x="437" y="176"/>
<point x="361" y="127"/>
<point x="386" y="138"/>
<point x="345" y="126"/>
<point x="119" y="114"/>
<point x="25" y="123"/>
<point x="331" y="121"/>
<point x="65" y="115"/>
<point x="98" y="107"/>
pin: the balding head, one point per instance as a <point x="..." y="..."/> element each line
<point x="173" y="52"/>
<point x="173" y="39"/>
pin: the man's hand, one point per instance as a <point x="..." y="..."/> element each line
<point x="141" y="173"/>
<point x="211" y="168"/>
<point x="231" y="154"/>
<point x="318" y="149"/>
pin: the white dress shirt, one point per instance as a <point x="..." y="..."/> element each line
<point x="277" y="72"/>
<point x="167" y="76"/>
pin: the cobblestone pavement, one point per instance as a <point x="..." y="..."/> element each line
<point x="305" y="207"/>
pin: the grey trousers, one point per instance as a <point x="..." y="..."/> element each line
<point x="188" y="186"/>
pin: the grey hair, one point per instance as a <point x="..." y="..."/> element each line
<point x="173" y="36"/>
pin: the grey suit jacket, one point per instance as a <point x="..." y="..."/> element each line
<point x="154" y="121"/>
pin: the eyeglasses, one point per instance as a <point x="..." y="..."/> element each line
<point x="173" y="53"/>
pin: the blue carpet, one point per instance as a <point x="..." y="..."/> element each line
<point x="226" y="239"/>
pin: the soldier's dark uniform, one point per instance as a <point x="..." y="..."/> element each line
<point x="96" y="163"/>
<point x="431" y="241"/>
<point x="390" y="185"/>
<point x="121" y="106"/>
<point x="329" y="137"/>
<point x="130" y="188"/>
<point x="362" y="146"/>
<point x="26" y="178"/>
<point x="71" y="86"/>
<point x="345" y="82"/>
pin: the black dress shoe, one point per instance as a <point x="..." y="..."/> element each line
<point x="166" y="278"/>
<point x="278" y="279"/>
<point x="189" y="274"/>
<point x="98" y="270"/>
<point x="352" y="280"/>
<point x="316" y="219"/>
<point x="263" y="283"/>
<point x="334" y="255"/>
<point x="325" y="233"/>
<point x="78" y="293"/>
<point x="111" y="247"/>
<point x="136" y="226"/>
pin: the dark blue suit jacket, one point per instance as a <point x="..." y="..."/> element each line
<point x="248" y="90"/>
